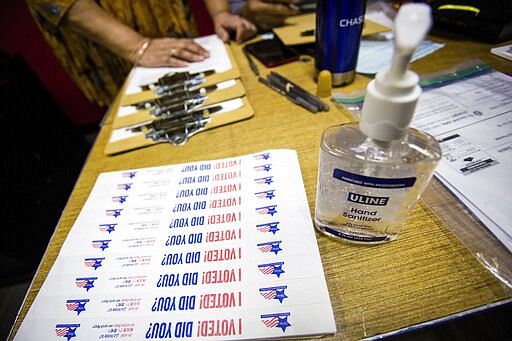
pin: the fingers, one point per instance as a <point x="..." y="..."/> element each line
<point x="222" y="33"/>
<point x="245" y="31"/>
<point x="226" y="22"/>
<point x="173" y="52"/>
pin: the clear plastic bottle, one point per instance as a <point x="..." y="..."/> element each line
<point x="367" y="188"/>
<point x="371" y="173"/>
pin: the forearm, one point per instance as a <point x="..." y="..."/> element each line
<point x="215" y="7"/>
<point x="92" y="22"/>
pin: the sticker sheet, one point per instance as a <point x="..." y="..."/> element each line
<point x="213" y="250"/>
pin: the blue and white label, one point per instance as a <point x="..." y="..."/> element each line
<point x="370" y="203"/>
<point x="367" y="181"/>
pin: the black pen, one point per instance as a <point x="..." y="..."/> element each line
<point x="307" y="33"/>
<point x="253" y="66"/>
<point x="289" y="86"/>
<point x="294" y="99"/>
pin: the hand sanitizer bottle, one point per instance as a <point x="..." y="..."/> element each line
<point x="371" y="173"/>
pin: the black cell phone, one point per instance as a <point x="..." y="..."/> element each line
<point x="272" y="52"/>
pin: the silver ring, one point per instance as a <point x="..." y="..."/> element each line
<point x="172" y="53"/>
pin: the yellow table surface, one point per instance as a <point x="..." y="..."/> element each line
<point x="426" y="274"/>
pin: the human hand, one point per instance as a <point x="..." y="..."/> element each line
<point x="175" y="52"/>
<point x="226" y="22"/>
<point x="266" y="14"/>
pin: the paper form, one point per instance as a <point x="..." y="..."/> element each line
<point x="472" y="120"/>
<point x="211" y="250"/>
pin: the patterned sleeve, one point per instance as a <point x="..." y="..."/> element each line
<point x="52" y="11"/>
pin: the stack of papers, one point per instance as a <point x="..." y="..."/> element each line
<point x="472" y="120"/>
<point x="218" y="250"/>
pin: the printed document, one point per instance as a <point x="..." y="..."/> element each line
<point x="472" y="120"/>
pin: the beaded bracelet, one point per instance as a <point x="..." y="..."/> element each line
<point x="141" y="50"/>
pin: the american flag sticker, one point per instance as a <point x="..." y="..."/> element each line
<point x="100" y="244"/>
<point x="107" y="227"/>
<point x="130" y="175"/>
<point x="93" y="262"/>
<point x="66" y="330"/>
<point x="262" y="156"/>
<point x="271" y="209"/>
<point x="113" y="213"/>
<point x="276" y="320"/>
<point x="85" y="282"/>
<point x="265" y="180"/>
<point x="267" y="247"/>
<point x="274" y="293"/>
<point x="275" y="268"/>
<point x="263" y="168"/>
<point x="120" y="199"/>
<point x="124" y="187"/>
<point x="265" y="194"/>
<point x="77" y="306"/>
<point x="268" y="227"/>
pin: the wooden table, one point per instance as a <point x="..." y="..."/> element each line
<point x="426" y="274"/>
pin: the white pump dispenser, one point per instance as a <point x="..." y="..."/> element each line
<point x="391" y="97"/>
<point x="371" y="173"/>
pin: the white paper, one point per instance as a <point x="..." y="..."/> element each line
<point x="376" y="55"/>
<point x="218" y="61"/>
<point x="212" y="250"/>
<point x="472" y="119"/>
<point x="503" y="51"/>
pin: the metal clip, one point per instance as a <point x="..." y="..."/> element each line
<point x="177" y="109"/>
<point x="174" y="98"/>
<point x="180" y="80"/>
<point x="177" y="129"/>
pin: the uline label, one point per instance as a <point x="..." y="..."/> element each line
<point x="367" y="200"/>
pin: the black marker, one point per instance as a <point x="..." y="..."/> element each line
<point x="253" y="66"/>
<point x="293" y="98"/>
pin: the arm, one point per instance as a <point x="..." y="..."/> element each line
<point x="224" y="21"/>
<point x="92" y="22"/>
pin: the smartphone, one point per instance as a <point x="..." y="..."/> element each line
<point x="272" y="52"/>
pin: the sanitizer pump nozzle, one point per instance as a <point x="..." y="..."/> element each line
<point x="391" y="97"/>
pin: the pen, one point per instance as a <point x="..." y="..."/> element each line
<point x="289" y="86"/>
<point x="307" y="33"/>
<point x="294" y="99"/>
<point x="253" y="66"/>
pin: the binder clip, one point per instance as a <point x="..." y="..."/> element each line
<point x="176" y="129"/>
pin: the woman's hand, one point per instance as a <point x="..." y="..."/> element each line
<point x="225" y="22"/>
<point x="175" y="52"/>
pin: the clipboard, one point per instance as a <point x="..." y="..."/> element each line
<point x="290" y="32"/>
